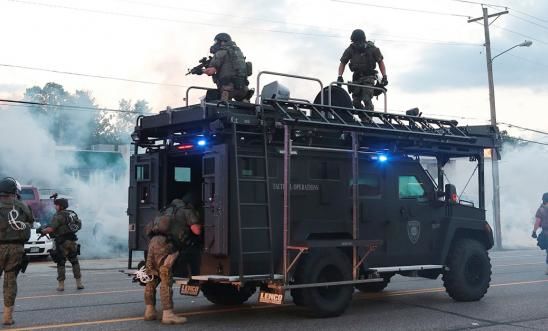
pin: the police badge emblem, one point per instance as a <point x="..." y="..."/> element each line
<point x="414" y="231"/>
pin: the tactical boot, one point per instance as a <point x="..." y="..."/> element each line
<point x="168" y="317"/>
<point x="79" y="284"/>
<point x="150" y="313"/>
<point x="61" y="286"/>
<point x="8" y="315"/>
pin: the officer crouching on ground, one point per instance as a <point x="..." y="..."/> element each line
<point x="364" y="57"/>
<point x="229" y="69"/>
<point x="15" y="224"/>
<point x="168" y="235"/>
<point x="64" y="225"/>
<point x="541" y="221"/>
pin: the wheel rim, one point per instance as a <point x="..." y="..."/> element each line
<point x="329" y="273"/>
<point x="474" y="271"/>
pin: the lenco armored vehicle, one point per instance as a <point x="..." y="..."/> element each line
<point x="304" y="198"/>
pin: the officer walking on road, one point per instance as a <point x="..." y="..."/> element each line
<point x="64" y="225"/>
<point x="15" y="224"/>
<point x="363" y="56"/>
<point x="541" y="221"/>
<point x="229" y="69"/>
<point x="169" y="235"/>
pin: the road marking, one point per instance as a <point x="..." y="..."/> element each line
<point x="517" y="264"/>
<point x="256" y="307"/>
<point x="78" y="294"/>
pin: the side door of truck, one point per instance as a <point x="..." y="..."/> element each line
<point x="413" y="215"/>
<point x="215" y="198"/>
<point x="144" y="196"/>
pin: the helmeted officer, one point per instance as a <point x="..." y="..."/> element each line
<point x="541" y="221"/>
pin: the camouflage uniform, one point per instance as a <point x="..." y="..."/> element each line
<point x="11" y="245"/>
<point x="231" y="76"/>
<point x="363" y="61"/>
<point x="542" y="213"/>
<point x="66" y="246"/>
<point x="162" y="253"/>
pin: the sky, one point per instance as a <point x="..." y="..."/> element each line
<point x="435" y="60"/>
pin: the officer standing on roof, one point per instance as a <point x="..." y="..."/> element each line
<point x="63" y="227"/>
<point x="170" y="234"/>
<point x="15" y="224"/>
<point x="541" y="221"/>
<point x="364" y="57"/>
<point x="229" y="69"/>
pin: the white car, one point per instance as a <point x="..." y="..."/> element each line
<point x="38" y="247"/>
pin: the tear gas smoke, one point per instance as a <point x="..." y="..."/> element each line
<point x="28" y="153"/>
<point x="523" y="180"/>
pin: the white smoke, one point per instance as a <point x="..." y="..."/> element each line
<point x="523" y="180"/>
<point x="28" y="153"/>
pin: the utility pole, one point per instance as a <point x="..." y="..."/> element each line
<point x="494" y="153"/>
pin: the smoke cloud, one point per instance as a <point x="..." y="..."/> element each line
<point x="28" y="153"/>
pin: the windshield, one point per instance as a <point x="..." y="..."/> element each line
<point x="27" y="194"/>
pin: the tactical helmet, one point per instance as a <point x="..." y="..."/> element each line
<point x="188" y="198"/>
<point x="62" y="202"/>
<point x="223" y="37"/>
<point x="357" y="36"/>
<point x="545" y="197"/>
<point x="9" y="185"/>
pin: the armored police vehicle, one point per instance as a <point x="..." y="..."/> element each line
<point x="306" y="198"/>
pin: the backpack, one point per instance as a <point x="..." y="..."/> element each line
<point x="161" y="224"/>
<point x="74" y="223"/>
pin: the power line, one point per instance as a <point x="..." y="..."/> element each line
<point x="529" y="21"/>
<point x="421" y="11"/>
<point x="245" y="28"/>
<point x="479" y="3"/>
<point x="530" y="141"/>
<point x="31" y="103"/>
<point x="90" y="75"/>
<point x="520" y="34"/>
<point x="522" y="128"/>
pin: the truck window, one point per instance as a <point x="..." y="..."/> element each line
<point x="369" y="185"/>
<point x="27" y="194"/>
<point x="251" y="167"/>
<point x="410" y="187"/>
<point x="181" y="174"/>
<point x="209" y="166"/>
<point x="142" y="172"/>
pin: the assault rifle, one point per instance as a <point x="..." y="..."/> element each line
<point x="198" y="70"/>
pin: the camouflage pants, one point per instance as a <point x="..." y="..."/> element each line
<point x="67" y="250"/>
<point x="160" y="259"/>
<point x="228" y="92"/>
<point x="361" y="96"/>
<point x="10" y="259"/>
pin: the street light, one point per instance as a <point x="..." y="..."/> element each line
<point x="526" y="43"/>
<point x="494" y="154"/>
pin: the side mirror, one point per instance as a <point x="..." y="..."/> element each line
<point x="451" y="193"/>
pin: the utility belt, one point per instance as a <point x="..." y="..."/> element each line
<point x="59" y="240"/>
<point x="362" y="74"/>
<point x="238" y="82"/>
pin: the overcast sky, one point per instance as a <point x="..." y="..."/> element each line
<point x="434" y="58"/>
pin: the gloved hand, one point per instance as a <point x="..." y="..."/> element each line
<point x="340" y="79"/>
<point x="534" y="235"/>
<point x="384" y="81"/>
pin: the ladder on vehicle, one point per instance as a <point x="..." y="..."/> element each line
<point x="308" y="114"/>
<point x="253" y="227"/>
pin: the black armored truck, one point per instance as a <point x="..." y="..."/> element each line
<point x="312" y="199"/>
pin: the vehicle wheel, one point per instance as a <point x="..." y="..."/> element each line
<point x="226" y="294"/>
<point x="469" y="271"/>
<point x="326" y="265"/>
<point x="373" y="287"/>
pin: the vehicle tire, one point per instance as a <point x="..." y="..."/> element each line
<point x="227" y="294"/>
<point x="469" y="271"/>
<point x="324" y="265"/>
<point x="373" y="287"/>
<point x="297" y="295"/>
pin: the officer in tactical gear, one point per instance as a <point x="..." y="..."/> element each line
<point x="363" y="56"/>
<point x="15" y="224"/>
<point x="163" y="250"/>
<point x="541" y="221"/>
<point x="229" y="69"/>
<point x="65" y="240"/>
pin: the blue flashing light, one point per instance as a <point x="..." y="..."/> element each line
<point x="383" y="158"/>
<point x="202" y="142"/>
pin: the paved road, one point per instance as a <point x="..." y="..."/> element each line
<point x="516" y="300"/>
